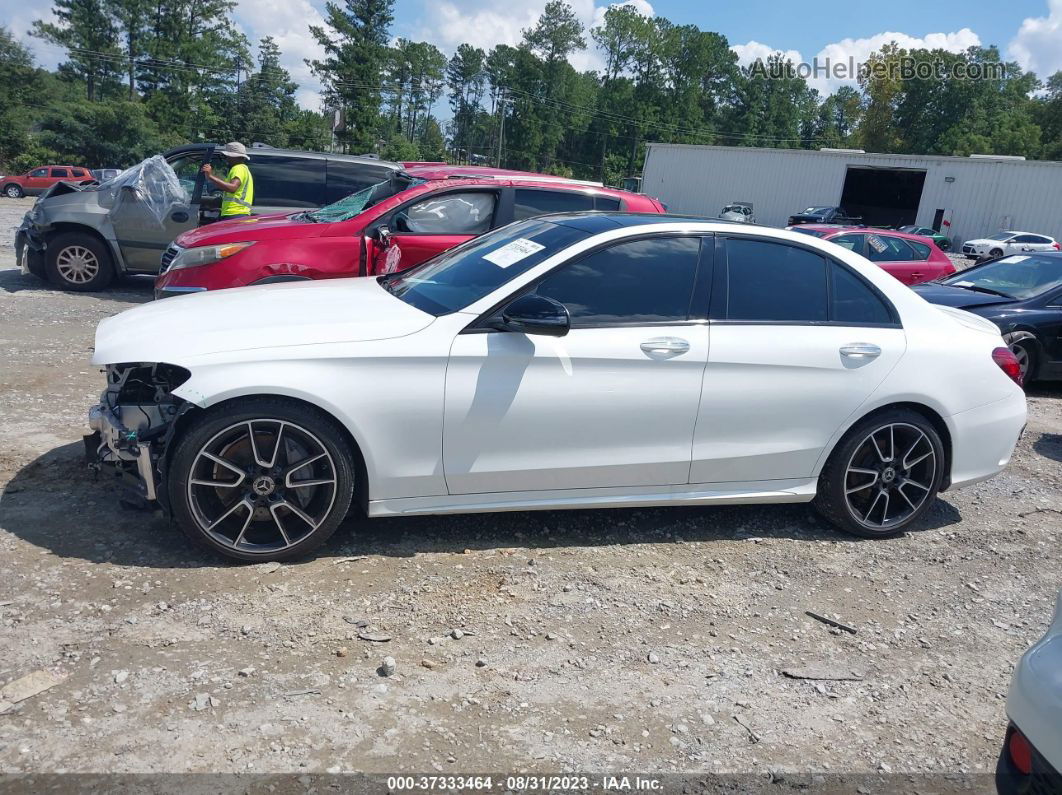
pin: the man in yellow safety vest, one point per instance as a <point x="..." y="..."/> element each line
<point x="238" y="185"/>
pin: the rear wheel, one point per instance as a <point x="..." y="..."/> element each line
<point x="13" y="191"/>
<point x="78" y="261"/>
<point x="265" y="479"/>
<point x="883" y="475"/>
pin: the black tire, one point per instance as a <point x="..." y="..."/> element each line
<point x="271" y="530"/>
<point x="996" y="252"/>
<point x="14" y="191"/>
<point x="945" y="245"/>
<point x="833" y="500"/>
<point x="78" y="261"/>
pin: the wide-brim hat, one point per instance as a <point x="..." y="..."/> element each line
<point x="234" y="149"/>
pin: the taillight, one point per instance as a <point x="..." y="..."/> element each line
<point x="1057" y="246"/>
<point x="1020" y="752"/>
<point x="1008" y="363"/>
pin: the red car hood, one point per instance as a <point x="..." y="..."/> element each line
<point x="256" y="227"/>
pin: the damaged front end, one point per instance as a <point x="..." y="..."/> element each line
<point x="133" y="424"/>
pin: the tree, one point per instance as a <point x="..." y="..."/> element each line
<point x="354" y="41"/>
<point x="266" y="103"/>
<point x="882" y="86"/>
<point x="466" y="79"/>
<point x="85" y="29"/>
<point x="117" y="133"/>
<point x="131" y="18"/>
<point x="19" y="82"/>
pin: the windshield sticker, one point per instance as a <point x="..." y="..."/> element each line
<point x="877" y="243"/>
<point x="513" y="252"/>
<point x="962" y="284"/>
<point x="1014" y="259"/>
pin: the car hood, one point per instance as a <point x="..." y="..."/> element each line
<point x="958" y="297"/>
<point x="183" y="328"/>
<point x="255" y="227"/>
<point x="983" y="241"/>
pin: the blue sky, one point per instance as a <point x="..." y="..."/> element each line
<point x="1029" y="31"/>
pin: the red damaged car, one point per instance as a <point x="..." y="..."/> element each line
<point x="910" y="258"/>
<point x="387" y="227"/>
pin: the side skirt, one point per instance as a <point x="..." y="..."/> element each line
<point x="737" y="493"/>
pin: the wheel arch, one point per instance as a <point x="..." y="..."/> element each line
<point x="67" y="227"/>
<point x="1021" y="333"/>
<point x="930" y="414"/>
<point x="361" y="470"/>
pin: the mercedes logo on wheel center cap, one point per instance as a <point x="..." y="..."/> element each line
<point x="263" y="485"/>
<point x="888" y="475"/>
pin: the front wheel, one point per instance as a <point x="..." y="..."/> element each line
<point x="13" y="192"/>
<point x="996" y="252"/>
<point x="264" y="479"/>
<point x="883" y="475"/>
<point x="78" y="261"/>
<point x="945" y="245"/>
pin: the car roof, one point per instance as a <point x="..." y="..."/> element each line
<point x="526" y="181"/>
<point x="269" y="151"/>
<point x="595" y="222"/>
<point x="444" y="171"/>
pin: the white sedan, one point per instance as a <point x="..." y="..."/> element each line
<point x="574" y="361"/>
<point x="1008" y="243"/>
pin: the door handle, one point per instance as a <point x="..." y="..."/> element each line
<point x="917" y="275"/>
<point x="667" y="346"/>
<point x="860" y="350"/>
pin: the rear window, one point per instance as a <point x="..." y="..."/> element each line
<point x="281" y="181"/>
<point x="529" y="203"/>
<point x="921" y="250"/>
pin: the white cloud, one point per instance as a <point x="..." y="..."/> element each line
<point x="19" y="17"/>
<point x="288" y="22"/>
<point x="1038" y="45"/>
<point x="449" y="23"/>
<point x="852" y="52"/>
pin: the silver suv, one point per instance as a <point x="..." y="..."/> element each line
<point x="81" y="238"/>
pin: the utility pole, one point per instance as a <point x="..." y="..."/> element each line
<point x="501" y="127"/>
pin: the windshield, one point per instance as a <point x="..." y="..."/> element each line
<point x="1019" y="277"/>
<point x="461" y="276"/>
<point x="816" y="210"/>
<point x="1001" y="236"/>
<point x="349" y="206"/>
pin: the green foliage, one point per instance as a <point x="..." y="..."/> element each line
<point x="161" y="72"/>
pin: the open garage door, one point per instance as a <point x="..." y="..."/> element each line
<point x="883" y="196"/>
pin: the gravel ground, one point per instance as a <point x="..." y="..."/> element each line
<point x="648" y="640"/>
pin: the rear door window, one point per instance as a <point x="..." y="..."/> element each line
<point x="850" y="242"/>
<point x="775" y="282"/>
<point x="606" y="203"/>
<point x="282" y="181"/>
<point x="853" y="301"/>
<point x="529" y="202"/>
<point x="884" y="248"/>
<point x="62" y="173"/>
<point x="921" y="250"/>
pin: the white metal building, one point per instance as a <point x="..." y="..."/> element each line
<point x="966" y="197"/>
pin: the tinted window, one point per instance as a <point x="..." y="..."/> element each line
<point x="288" y="181"/>
<point x="528" y="203"/>
<point x="1038" y="239"/>
<point x="466" y="213"/>
<point x="79" y="172"/>
<point x="60" y="172"/>
<point x="854" y="301"/>
<point x="346" y="177"/>
<point x="641" y="281"/>
<point x="921" y="250"/>
<point x="774" y="281"/>
<point x="882" y="248"/>
<point x="850" y="242"/>
<point x="40" y="172"/>
<point x="606" y="203"/>
<point x="462" y="275"/>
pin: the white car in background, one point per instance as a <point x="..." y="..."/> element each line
<point x="1008" y="243"/>
<point x="1031" y="761"/>
<point x="558" y="362"/>
<point x="738" y="211"/>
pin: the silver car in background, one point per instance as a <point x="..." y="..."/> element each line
<point x="738" y="211"/>
<point x="1031" y="761"/>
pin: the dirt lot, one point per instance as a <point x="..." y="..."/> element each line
<point x="641" y="640"/>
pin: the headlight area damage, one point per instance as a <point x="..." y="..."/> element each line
<point x="133" y="424"/>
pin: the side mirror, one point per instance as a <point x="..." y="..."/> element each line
<point x="383" y="236"/>
<point x="535" y="314"/>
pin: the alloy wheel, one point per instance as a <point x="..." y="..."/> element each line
<point x="77" y="265"/>
<point x="261" y="486"/>
<point x="889" y="476"/>
<point x="13" y="192"/>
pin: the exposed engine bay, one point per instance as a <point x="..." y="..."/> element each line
<point x="134" y="422"/>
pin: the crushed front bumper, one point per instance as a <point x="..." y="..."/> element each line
<point x="114" y="444"/>
<point x="29" y="249"/>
